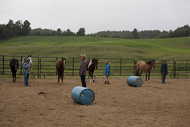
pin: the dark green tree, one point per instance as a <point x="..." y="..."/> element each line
<point x="59" y="31"/>
<point x="26" y="28"/>
<point x="81" y="32"/>
<point x="135" y="34"/>
<point x="3" y="33"/>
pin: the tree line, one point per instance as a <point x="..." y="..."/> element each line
<point x="12" y="29"/>
<point x="18" y="28"/>
<point x="145" y="34"/>
<point x="58" y="32"/>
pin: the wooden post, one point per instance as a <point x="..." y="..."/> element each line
<point x="174" y="69"/>
<point x="135" y="62"/>
<point x="120" y="66"/>
<point x="21" y="65"/>
<point x="3" y="65"/>
<point x="73" y="66"/>
<point x="38" y="67"/>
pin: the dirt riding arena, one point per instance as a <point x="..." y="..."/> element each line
<point x="116" y="105"/>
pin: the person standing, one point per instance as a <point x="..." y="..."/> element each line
<point x="107" y="72"/>
<point x="164" y="71"/>
<point x="26" y="69"/>
<point x="83" y="69"/>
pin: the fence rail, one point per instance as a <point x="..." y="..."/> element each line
<point x="45" y="66"/>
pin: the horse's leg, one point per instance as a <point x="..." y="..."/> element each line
<point x="90" y="73"/>
<point x="140" y="73"/>
<point x="92" y="77"/>
<point x="58" y="77"/>
<point x="148" y="76"/>
<point x="14" y="76"/>
<point x="137" y="72"/>
<point x="62" y="76"/>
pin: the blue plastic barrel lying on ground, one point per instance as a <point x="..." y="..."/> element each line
<point x="82" y="95"/>
<point x="135" y="81"/>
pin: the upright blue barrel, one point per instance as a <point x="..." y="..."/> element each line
<point x="82" y="95"/>
<point x="135" y="81"/>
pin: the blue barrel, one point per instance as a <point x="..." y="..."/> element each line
<point x="135" y="81"/>
<point x="82" y="95"/>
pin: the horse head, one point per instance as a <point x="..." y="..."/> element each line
<point x="64" y="61"/>
<point x="16" y="64"/>
<point x="95" y="61"/>
<point x="153" y="63"/>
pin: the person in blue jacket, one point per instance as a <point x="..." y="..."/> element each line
<point x="164" y="71"/>
<point x="107" y="72"/>
<point x="26" y="69"/>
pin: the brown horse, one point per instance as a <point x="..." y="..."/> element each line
<point x="92" y="65"/>
<point x="60" y="67"/>
<point x="145" y="67"/>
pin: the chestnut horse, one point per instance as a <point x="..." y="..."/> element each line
<point x="145" y="67"/>
<point x="91" y="67"/>
<point x="60" y="67"/>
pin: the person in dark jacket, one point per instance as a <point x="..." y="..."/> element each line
<point x="107" y="72"/>
<point x="83" y="69"/>
<point x="164" y="71"/>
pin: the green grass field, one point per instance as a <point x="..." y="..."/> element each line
<point x="73" y="46"/>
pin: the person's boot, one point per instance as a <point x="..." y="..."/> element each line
<point x="105" y="82"/>
<point x="108" y="82"/>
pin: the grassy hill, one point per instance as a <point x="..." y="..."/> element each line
<point x="73" y="46"/>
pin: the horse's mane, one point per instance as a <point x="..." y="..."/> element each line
<point x="90" y="63"/>
<point x="149" y="62"/>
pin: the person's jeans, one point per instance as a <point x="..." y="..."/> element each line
<point x="26" y="75"/>
<point x="83" y="80"/>
<point x="163" y="78"/>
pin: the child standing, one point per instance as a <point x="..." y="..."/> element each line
<point x="107" y="72"/>
<point x="164" y="71"/>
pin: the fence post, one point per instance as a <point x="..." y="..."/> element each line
<point x="38" y="67"/>
<point x="73" y="66"/>
<point x="174" y="69"/>
<point x="3" y="64"/>
<point x="186" y="68"/>
<point x="56" y="69"/>
<point x="120" y="66"/>
<point x="135" y="62"/>
<point x="21" y="65"/>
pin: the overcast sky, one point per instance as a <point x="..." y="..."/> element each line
<point x="98" y="15"/>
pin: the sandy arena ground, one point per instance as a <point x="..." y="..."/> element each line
<point x="116" y="105"/>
